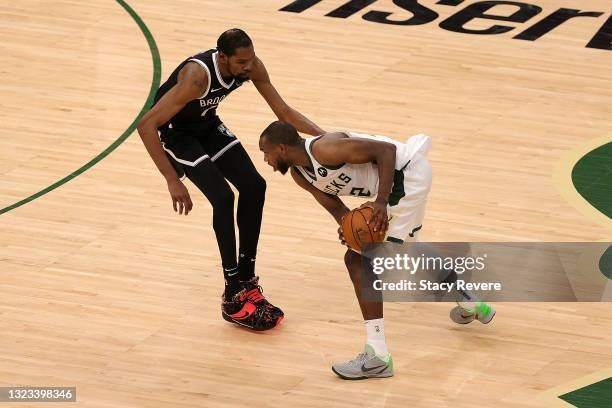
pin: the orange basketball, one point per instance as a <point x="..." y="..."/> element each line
<point x="356" y="230"/>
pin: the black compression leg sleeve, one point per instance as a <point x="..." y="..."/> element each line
<point x="238" y="168"/>
<point x="207" y="177"/>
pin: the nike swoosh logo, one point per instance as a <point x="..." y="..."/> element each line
<point x="364" y="369"/>
<point x="215" y="90"/>
<point x="245" y="312"/>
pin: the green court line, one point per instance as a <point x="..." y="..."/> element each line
<point x="154" y="85"/>
<point x="598" y="395"/>
<point x="605" y="263"/>
<point x="592" y="178"/>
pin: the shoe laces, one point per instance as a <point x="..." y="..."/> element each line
<point x="253" y="294"/>
<point x="360" y="359"/>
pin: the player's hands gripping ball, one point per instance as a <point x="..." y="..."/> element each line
<point x="357" y="228"/>
<point x="379" y="221"/>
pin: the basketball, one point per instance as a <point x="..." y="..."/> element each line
<point x="356" y="230"/>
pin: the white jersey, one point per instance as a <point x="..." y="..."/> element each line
<point x="359" y="180"/>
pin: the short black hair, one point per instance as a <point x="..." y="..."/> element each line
<point x="232" y="39"/>
<point x="279" y="133"/>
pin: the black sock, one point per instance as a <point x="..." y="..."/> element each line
<point x="232" y="282"/>
<point x="246" y="266"/>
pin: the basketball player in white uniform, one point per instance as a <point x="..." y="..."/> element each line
<point x="397" y="174"/>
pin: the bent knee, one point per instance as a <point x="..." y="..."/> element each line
<point x="224" y="198"/>
<point x="257" y="185"/>
<point x="352" y="260"/>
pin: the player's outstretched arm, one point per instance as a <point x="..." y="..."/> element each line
<point x="333" y="204"/>
<point x="281" y="109"/>
<point x="191" y="84"/>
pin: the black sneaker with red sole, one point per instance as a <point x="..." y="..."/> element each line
<point x="249" y="308"/>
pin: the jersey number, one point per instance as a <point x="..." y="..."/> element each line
<point x="358" y="192"/>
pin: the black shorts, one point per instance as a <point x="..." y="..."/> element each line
<point x="189" y="146"/>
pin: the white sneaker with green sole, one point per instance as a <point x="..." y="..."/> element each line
<point x="365" y="365"/>
<point x="464" y="315"/>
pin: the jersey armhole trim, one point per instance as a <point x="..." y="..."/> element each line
<point x="203" y="65"/>
<point x="324" y="165"/>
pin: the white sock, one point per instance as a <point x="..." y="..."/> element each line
<point x="375" y="331"/>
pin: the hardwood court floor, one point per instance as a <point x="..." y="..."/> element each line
<point x="103" y="287"/>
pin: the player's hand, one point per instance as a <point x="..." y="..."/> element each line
<point x="341" y="236"/>
<point x="340" y="233"/>
<point x="379" y="221"/>
<point x="180" y="196"/>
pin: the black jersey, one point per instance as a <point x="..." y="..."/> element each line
<point x="202" y="110"/>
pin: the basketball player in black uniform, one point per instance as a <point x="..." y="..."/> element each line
<point x="185" y="138"/>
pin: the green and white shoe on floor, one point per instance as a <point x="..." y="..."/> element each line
<point x="365" y="365"/>
<point x="481" y="311"/>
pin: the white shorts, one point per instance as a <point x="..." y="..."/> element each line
<point x="406" y="208"/>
